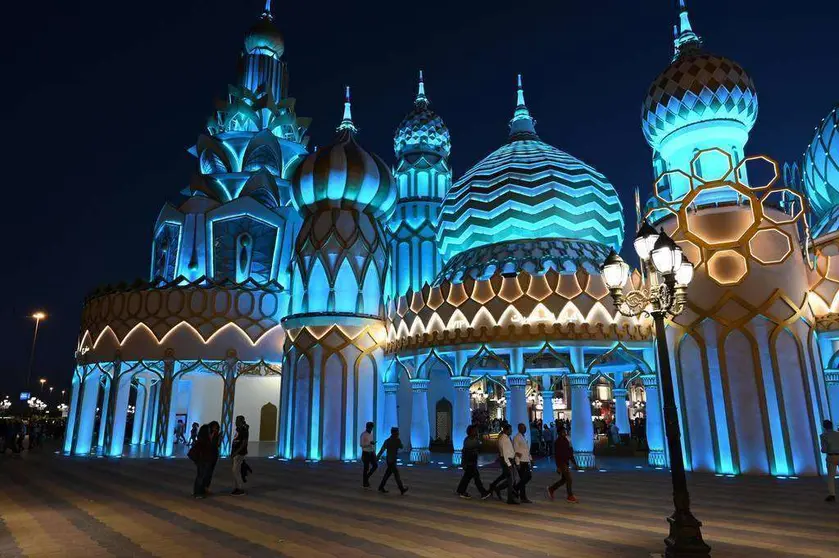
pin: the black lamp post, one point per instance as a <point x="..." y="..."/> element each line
<point x="662" y="295"/>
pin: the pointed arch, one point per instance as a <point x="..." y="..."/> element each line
<point x="547" y="349"/>
<point x="346" y="288"/>
<point x="371" y="292"/>
<point x="424" y="369"/>
<point x="510" y="316"/>
<point x="395" y="370"/>
<point x="483" y="353"/>
<point x="317" y="293"/>
<point x="618" y="351"/>
<point x="483" y="319"/>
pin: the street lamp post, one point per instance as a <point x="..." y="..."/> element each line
<point x="662" y="295"/>
<point x="42" y="382"/>
<point x="37" y="316"/>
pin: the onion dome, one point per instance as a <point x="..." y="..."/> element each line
<point x="821" y="165"/>
<point x="344" y="175"/>
<point x="264" y="37"/>
<point x="422" y="130"/>
<point x="528" y="190"/>
<point x="696" y="87"/>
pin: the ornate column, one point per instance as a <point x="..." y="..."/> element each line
<point x="87" y="413"/>
<point x="621" y="412"/>
<point x="150" y="436"/>
<point x="104" y="414"/>
<point x="655" y="426"/>
<point x="831" y="380"/>
<point x="72" y="412"/>
<point x="517" y="403"/>
<point x="229" y="370"/>
<point x="420" y="435"/>
<point x="163" y="438"/>
<point x="462" y="415"/>
<point x="547" y="400"/>
<point x="391" y="411"/>
<point x="120" y="412"/>
<point x="582" y="429"/>
<point x="139" y="412"/>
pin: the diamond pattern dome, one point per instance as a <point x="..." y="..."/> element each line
<point x="422" y="130"/>
<point x="821" y="165"/>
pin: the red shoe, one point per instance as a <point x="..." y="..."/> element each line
<point x="549" y="492"/>
<point x="572" y="500"/>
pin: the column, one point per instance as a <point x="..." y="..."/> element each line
<point x="778" y="465"/>
<point x="831" y="381"/>
<point x="508" y="417"/>
<point x="104" y="418"/>
<point x="109" y="408"/>
<point x="582" y="429"/>
<point x="139" y="411"/>
<point x="70" y="428"/>
<point x="163" y="440"/>
<point x="120" y="409"/>
<point x="391" y="409"/>
<point x="462" y="415"/>
<point x="150" y="430"/>
<point x="547" y="400"/>
<point x="420" y="435"/>
<point x="655" y="425"/>
<point x="230" y="369"/>
<point x="87" y="414"/>
<point x="621" y="412"/>
<point x="517" y="403"/>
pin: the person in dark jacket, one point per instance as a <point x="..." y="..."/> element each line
<point x="563" y="453"/>
<point x="215" y="444"/>
<point x="392" y="445"/>
<point x="200" y="453"/>
<point x="238" y="451"/>
<point x="469" y="462"/>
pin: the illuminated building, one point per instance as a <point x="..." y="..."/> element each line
<point x="402" y="296"/>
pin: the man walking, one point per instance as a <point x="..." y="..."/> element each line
<point x="563" y="453"/>
<point x="392" y="445"/>
<point x="522" y="448"/>
<point x="508" y="463"/>
<point x="469" y="461"/>
<point x="830" y="447"/>
<point x="238" y="451"/>
<point x="368" y="454"/>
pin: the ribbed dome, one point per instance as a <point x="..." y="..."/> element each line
<point x="422" y="129"/>
<point x="264" y="35"/>
<point x="344" y="175"/>
<point x="528" y="190"/>
<point x="821" y="165"/>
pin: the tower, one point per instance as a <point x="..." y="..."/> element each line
<point x="422" y="145"/>
<point x="700" y="102"/>
<point x="333" y="354"/>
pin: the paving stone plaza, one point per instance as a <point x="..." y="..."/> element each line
<point x="57" y="506"/>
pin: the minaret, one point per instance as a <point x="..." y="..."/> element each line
<point x="522" y="126"/>
<point x="335" y="333"/>
<point x="262" y="67"/>
<point x="422" y="145"/>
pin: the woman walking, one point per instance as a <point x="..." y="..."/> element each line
<point x="201" y="453"/>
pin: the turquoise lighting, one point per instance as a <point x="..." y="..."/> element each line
<point x="821" y="171"/>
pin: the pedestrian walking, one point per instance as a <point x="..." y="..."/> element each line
<point x="368" y="454"/>
<point x="830" y="448"/>
<point x="563" y="453"/>
<point x="238" y="451"/>
<point x="522" y="449"/>
<point x="201" y="454"/>
<point x="215" y="444"/>
<point x="469" y="462"/>
<point x="193" y="433"/>
<point x="392" y="446"/>
<point x="507" y="478"/>
<point x="180" y="430"/>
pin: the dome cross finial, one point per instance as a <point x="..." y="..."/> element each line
<point x="522" y="125"/>
<point x="346" y="121"/>
<point x="684" y="39"/>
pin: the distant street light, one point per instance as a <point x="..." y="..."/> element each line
<point x="43" y="381"/>
<point x="37" y="316"/>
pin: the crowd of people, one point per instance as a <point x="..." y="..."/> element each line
<point x="17" y="435"/>
<point x="204" y="448"/>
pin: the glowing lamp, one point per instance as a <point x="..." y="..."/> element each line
<point x="39" y="315"/>
<point x="666" y="254"/>
<point x="615" y="271"/>
<point x="645" y="240"/>
<point x="684" y="274"/>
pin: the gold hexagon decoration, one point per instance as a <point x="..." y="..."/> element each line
<point x="741" y="171"/>
<point x="665" y="177"/>
<point x="727" y="267"/>
<point x="706" y="156"/>
<point x="691" y="251"/>
<point x="770" y="246"/>
<point x="716" y="230"/>
<point x="790" y="200"/>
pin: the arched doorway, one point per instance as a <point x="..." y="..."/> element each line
<point x="268" y="423"/>
<point x="442" y="425"/>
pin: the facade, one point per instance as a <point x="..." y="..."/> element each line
<point x="321" y="290"/>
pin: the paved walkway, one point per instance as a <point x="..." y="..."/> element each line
<point x="56" y="506"/>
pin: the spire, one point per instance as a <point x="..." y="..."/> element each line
<point x="421" y="98"/>
<point x="346" y="122"/>
<point x="522" y="126"/>
<point x="685" y="40"/>
<point x="266" y="11"/>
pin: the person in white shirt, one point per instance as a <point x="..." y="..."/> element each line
<point x="521" y="446"/>
<point x="830" y="449"/>
<point x="507" y="478"/>
<point x="368" y="454"/>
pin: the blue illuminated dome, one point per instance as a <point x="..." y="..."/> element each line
<point x="344" y="175"/>
<point x="264" y="37"/>
<point x="697" y="87"/>
<point x="422" y="129"/>
<point x="821" y="165"/>
<point x="528" y="190"/>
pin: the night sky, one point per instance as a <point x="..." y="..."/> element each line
<point x="102" y="99"/>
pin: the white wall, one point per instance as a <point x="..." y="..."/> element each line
<point x="252" y="392"/>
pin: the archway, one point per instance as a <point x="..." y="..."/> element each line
<point x="268" y="423"/>
<point x="442" y="425"/>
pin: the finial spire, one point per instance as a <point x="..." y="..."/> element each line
<point x="267" y="13"/>
<point x="421" y="98"/>
<point x="684" y="39"/>
<point x="346" y="122"/>
<point x="522" y="123"/>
